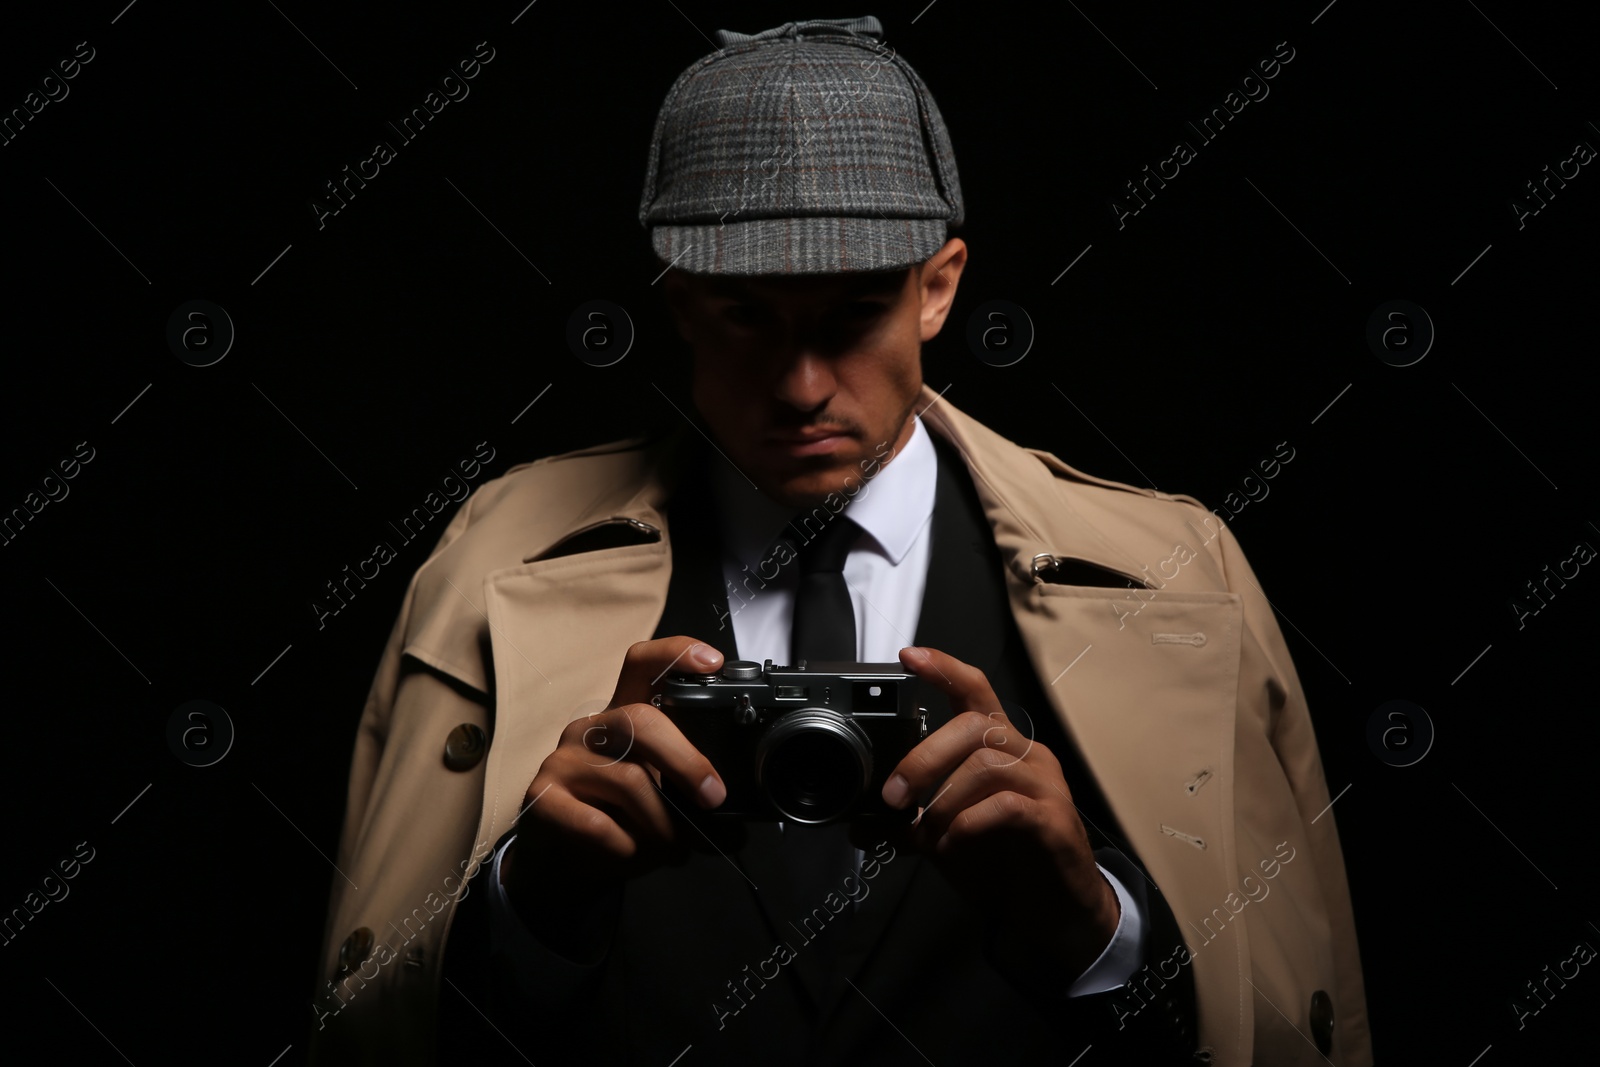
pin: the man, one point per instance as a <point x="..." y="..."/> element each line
<point x="1120" y="839"/>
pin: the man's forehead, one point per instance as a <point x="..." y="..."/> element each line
<point x="850" y="285"/>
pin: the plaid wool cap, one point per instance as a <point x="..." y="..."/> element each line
<point x="809" y="148"/>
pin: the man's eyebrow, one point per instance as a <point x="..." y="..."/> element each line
<point x="722" y="285"/>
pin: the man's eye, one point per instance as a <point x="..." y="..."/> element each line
<point x="859" y="315"/>
<point x="742" y="314"/>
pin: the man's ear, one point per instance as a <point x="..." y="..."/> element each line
<point x="940" y="276"/>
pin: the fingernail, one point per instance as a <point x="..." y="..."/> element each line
<point x="895" y="791"/>
<point x="712" y="791"/>
<point x="706" y="656"/>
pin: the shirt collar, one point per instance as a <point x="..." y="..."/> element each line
<point x="892" y="506"/>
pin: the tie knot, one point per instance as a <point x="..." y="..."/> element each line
<point x="827" y="549"/>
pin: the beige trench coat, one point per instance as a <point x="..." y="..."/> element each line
<point x="1181" y="696"/>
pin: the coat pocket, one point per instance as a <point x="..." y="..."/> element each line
<point x="1048" y="569"/>
<point x="616" y="532"/>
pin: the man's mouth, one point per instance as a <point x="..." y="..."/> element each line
<point x="816" y="441"/>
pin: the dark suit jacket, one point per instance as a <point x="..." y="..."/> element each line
<point x="718" y="960"/>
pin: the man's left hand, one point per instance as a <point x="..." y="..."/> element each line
<point x="1001" y="825"/>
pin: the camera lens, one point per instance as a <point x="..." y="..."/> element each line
<point x="813" y="766"/>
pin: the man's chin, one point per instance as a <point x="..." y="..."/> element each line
<point x="808" y="484"/>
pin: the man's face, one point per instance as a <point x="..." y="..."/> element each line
<point x="780" y="358"/>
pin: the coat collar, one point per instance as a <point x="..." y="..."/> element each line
<point x="1018" y="487"/>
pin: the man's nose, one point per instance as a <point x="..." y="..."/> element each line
<point x="805" y="379"/>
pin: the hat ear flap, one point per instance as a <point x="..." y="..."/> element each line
<point x="936" y="140"/>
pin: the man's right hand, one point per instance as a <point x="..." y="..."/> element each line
<point x="594" y="816"/>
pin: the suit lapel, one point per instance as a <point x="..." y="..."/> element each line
<point x="697" y="595"/>
<point x="943" y="622"/>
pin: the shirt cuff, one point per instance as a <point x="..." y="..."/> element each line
<point x="537" y="969"/>
<point x="1122" y="955"/>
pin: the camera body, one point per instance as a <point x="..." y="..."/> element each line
<point x="810" y="744"/>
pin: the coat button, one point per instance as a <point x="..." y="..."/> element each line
<point x="355" y="949"/>
<point x="465" y="747"/>
<point x="1322" y="1021"/>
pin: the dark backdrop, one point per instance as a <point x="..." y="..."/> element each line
<point x="374" y="351"/>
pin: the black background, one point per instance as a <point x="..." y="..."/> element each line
<point x="407" y="329"/>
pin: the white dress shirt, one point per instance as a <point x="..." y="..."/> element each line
<point x="886" y="572"/>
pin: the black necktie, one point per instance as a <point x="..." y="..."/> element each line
<point x="819" y="858"/>
<point x="824" y="624"/>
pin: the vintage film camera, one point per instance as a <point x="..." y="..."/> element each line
<point x="807" y="744"/>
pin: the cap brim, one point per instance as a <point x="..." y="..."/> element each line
<point x="799" y="245"/>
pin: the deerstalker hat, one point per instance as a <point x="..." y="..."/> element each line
<point x="809" y="148"/>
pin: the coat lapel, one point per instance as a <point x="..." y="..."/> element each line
<point x="555" y="626"/>
<point x="560" y="623"/>
<point x="1144" y="681"/>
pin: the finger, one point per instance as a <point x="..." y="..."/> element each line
<point x="643" y="733"/>
<point x="937" y="756"/>
<point x="627" y="792"/>
<point x="966" y="686"/>
<point x="563" y="816"/>
<point x="998" y="812"/>
<point x="647" y="662"/>
<point x="981" y="775"/>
